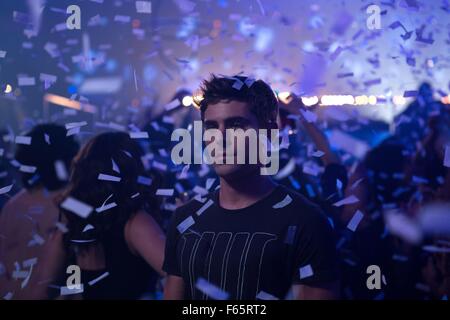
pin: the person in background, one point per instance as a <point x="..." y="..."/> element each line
<point x="28" y="218"/>
<point x="119" y="244"/>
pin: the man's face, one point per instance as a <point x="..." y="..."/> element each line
<point x="231" y="115"/>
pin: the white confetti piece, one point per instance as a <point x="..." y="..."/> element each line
<point x="290" y="234"/>
<point x="143" y="6"/>
<point x="115" y="167"/>
<point x="402" y="226"/>
<point x="262" y="295"/>
<point x="29" y="262"/>
<point x="447" y="157"/>
<point x="120" y="18"/>
<point x="73" y="125"/>
<point x="139" y="135"/>
<point x="94" y="281"/>
<point x="73" y="131"/>
<point x="283" y="203"/>
<point x="6" y="189"/>
<point x="47" y="138"/>
<point x="76" y="289"/>
<point x="26" y="81"/>
<point x="184" y="172"/>
<point x="185" y="224"/>
<point x="209" y="183"/>
<point x="434" y="218"/>
<point x="78" y="207"/>
<point x="306" y="271"/>
<point x="172" y="105"/>
<point x="144" y="180"/>
<point x="309" y="116"/>
<point x="27" y="169"/>
<point x="238" y="84"/>
<point x="36" y="240"/>
<point x="159" y="166"/>
<point x="137" y="194"/>
<point x="208" y="204"/>
<point x="165" y="192"/>
<point x="106" y="207"/>
<point x="88" y="227"/>
<point x="355" y="220"/>
<point x="61" y="170"/>
<point x="2" y="54"/>
<point x="211" y="290"/>
<point x="61" y="227"/>
<point x="436" y="249"/>
<point x="318" y="154"/>
<point x="20" y="274"/>
<point x="23" y="140"/>
<point x="8" y="296"/>
<point x="349" y="200"/>
<point x="107" y="177"/>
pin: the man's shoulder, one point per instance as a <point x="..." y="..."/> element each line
<point x="190" y="207"/>
<point x="299" y="206"/>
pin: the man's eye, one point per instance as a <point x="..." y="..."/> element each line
<point x="237" y="125"/>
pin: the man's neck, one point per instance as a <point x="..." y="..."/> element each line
<point x="242" y="193"/>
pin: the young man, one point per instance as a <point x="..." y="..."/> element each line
<point x="250" y="239"/>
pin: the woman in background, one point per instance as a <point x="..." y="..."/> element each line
<point x="119" y="242"/>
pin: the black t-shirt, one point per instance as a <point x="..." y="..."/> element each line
<point x="247" y="253"/>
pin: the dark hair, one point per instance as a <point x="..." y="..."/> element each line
<point x="130" y="194"/>
<point x="256" y="93"/>
<point x="49" y="143"/>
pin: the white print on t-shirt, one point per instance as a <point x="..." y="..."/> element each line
<point x="237" y="249"/>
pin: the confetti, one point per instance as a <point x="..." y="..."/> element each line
<point x="6" y="189"/>
<point x="262" y="295"/>
<point x="139" y="135"/>
<point x="290" y="235"/>
<point x="2" y="54"/>
<point x="185" y="224"/>
<point x="27" y="169"/>
<point x="78" y="207"/>
<point x="76" y="289"/>
<point x="106" y="207"/>
<point x="306" y="271"/>
<point x="29" y="262"/>
<point x="349" y="200"/>
<point x="101" y="277"/>
<point x="211" y="290"/>
<point x="61" y="227"/>
<point x="144" y="180"/>
<point x="61" y="170"/>
<point x="400" y="225"/>
<point x="107" y="177"/>
<point x="165" y="192"/>
<point x="283" y="203"/>
<point x="172" y="105"/>
<point x="447" y="157"/>
<point x="26" y="81"/>
<point x="23" y="140"/>
<point x="143" y="6"/>
<point x="355" y="220"/>
<point x="208" y="204"/>
<point x="309" y="116"/>
<point x="8" y="296"/>
<point x="88" y="227"/>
